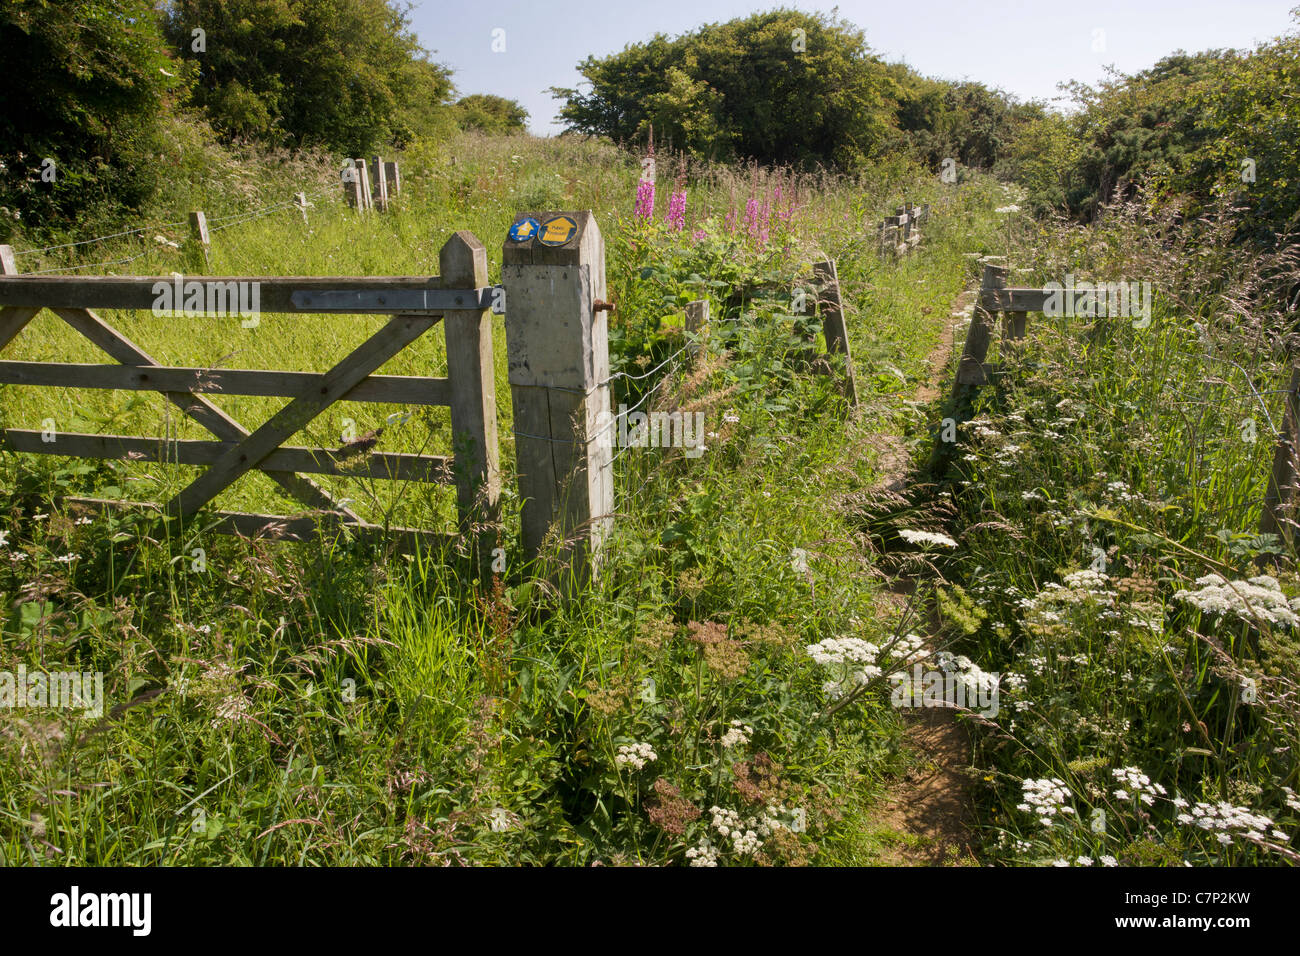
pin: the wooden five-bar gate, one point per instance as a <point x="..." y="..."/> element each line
<point x="460" y="298"/>
<point x="556" y="323"/>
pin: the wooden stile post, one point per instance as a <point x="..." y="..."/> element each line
<point x="972" y="370"/>
<point x="363" y="177"/>
<point x="892" y="234"/>
<point x="392" y="180"/>
<point x="557" y="340"/>
<point x="353" y="191"/>
<point x="199" y="241"/>
<point x="833" y="327"/>
<point x="470" y="367"/>
<point x="300" y="200"/>
<point x="905" y="223"/>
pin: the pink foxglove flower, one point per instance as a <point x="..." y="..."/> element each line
<point x="751" y="217"/>
<point x="677" y="211"/>
<point x="645" y="199"/>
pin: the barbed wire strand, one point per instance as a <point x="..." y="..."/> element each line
<point x="166" y="225"/>
<point x="1251" y="385"/>
<point x="84" y="242"/>
<point x="89" y="265"/>
<point x="570" y="441"/>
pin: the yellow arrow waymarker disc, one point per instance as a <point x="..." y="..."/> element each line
<point x="558" y="231"/>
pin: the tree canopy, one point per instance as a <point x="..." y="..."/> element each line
<point x="345" y="74"/>
<point x="491" y="114"/>
<point x="80" y="127"/>
<point x="781" y="86"/>
<point x="1194" y="128"/>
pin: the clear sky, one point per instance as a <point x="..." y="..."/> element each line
<point x="1024" y="47"/>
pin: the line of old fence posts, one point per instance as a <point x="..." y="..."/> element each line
<point x="900" y="233"/>
<point x="1278" y="513"/>
<point x="373" y="185"/>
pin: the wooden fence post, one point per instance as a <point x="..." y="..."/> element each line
<point x="891" y="234"/>
<point x="470" y="368"/>
<point x="363" y="176"/>
<point x="392" y="180"/>
<point x="300" y="200"/>
<point x="697" y="321"/>
<point x="381" y="184"/>
<point x="971" y="370"/>
<point x="353" y="191"/>
<point x="557" y="340"/>
<point x="199" y="241"/>
<point x="833" y="327"/>
<point x="1275" y="518"/>
<point x="905" y="221"/>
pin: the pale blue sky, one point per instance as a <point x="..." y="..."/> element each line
<point x="1023" y="47"/>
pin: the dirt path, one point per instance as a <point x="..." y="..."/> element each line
<point x="925" y="817"/>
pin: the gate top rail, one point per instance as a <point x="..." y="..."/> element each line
<point x="361" y="295"/>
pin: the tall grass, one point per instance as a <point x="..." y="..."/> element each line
<point x="287" y="704"/>
<point x="1107" y="494"/>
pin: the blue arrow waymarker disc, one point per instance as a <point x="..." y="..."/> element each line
<point x="524" y="230"/>
<point x="558" y="231"/>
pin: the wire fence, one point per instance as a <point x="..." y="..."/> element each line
<point x="224" y="222"/>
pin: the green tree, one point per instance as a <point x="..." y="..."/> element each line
<point x="491" y="114"/>
<point x="1139" y="130"/>
<point x="1040" y="154"/>
<point x="967" y="122"/>
<point x="1251" y="103"/>
<point x="88" y="80"/>
<point x="781" y="86"/>
<point x="345" y="74"/>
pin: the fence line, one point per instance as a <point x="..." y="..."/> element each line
<point x="1016" y="305"/>
<point x="557" y="341"/>
<point x="899" y="234"/>
<point x="244" y="216"/>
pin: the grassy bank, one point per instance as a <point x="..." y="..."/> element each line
<point x="1106" y="496"/>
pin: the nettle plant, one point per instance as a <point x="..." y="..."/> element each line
<point x="763" y="324"/>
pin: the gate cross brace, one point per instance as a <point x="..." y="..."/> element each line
<point x="197" y="407"/>
<point x="399" y="332"/>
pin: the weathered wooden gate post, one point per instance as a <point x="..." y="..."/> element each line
<point x="470" y="368"/>
<point x="363" y="177"/>
<point x="353" y="191"/>
<point x="557" y="340"/>
<point x="392" y="180"/>
<point x="380" y="194"/>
